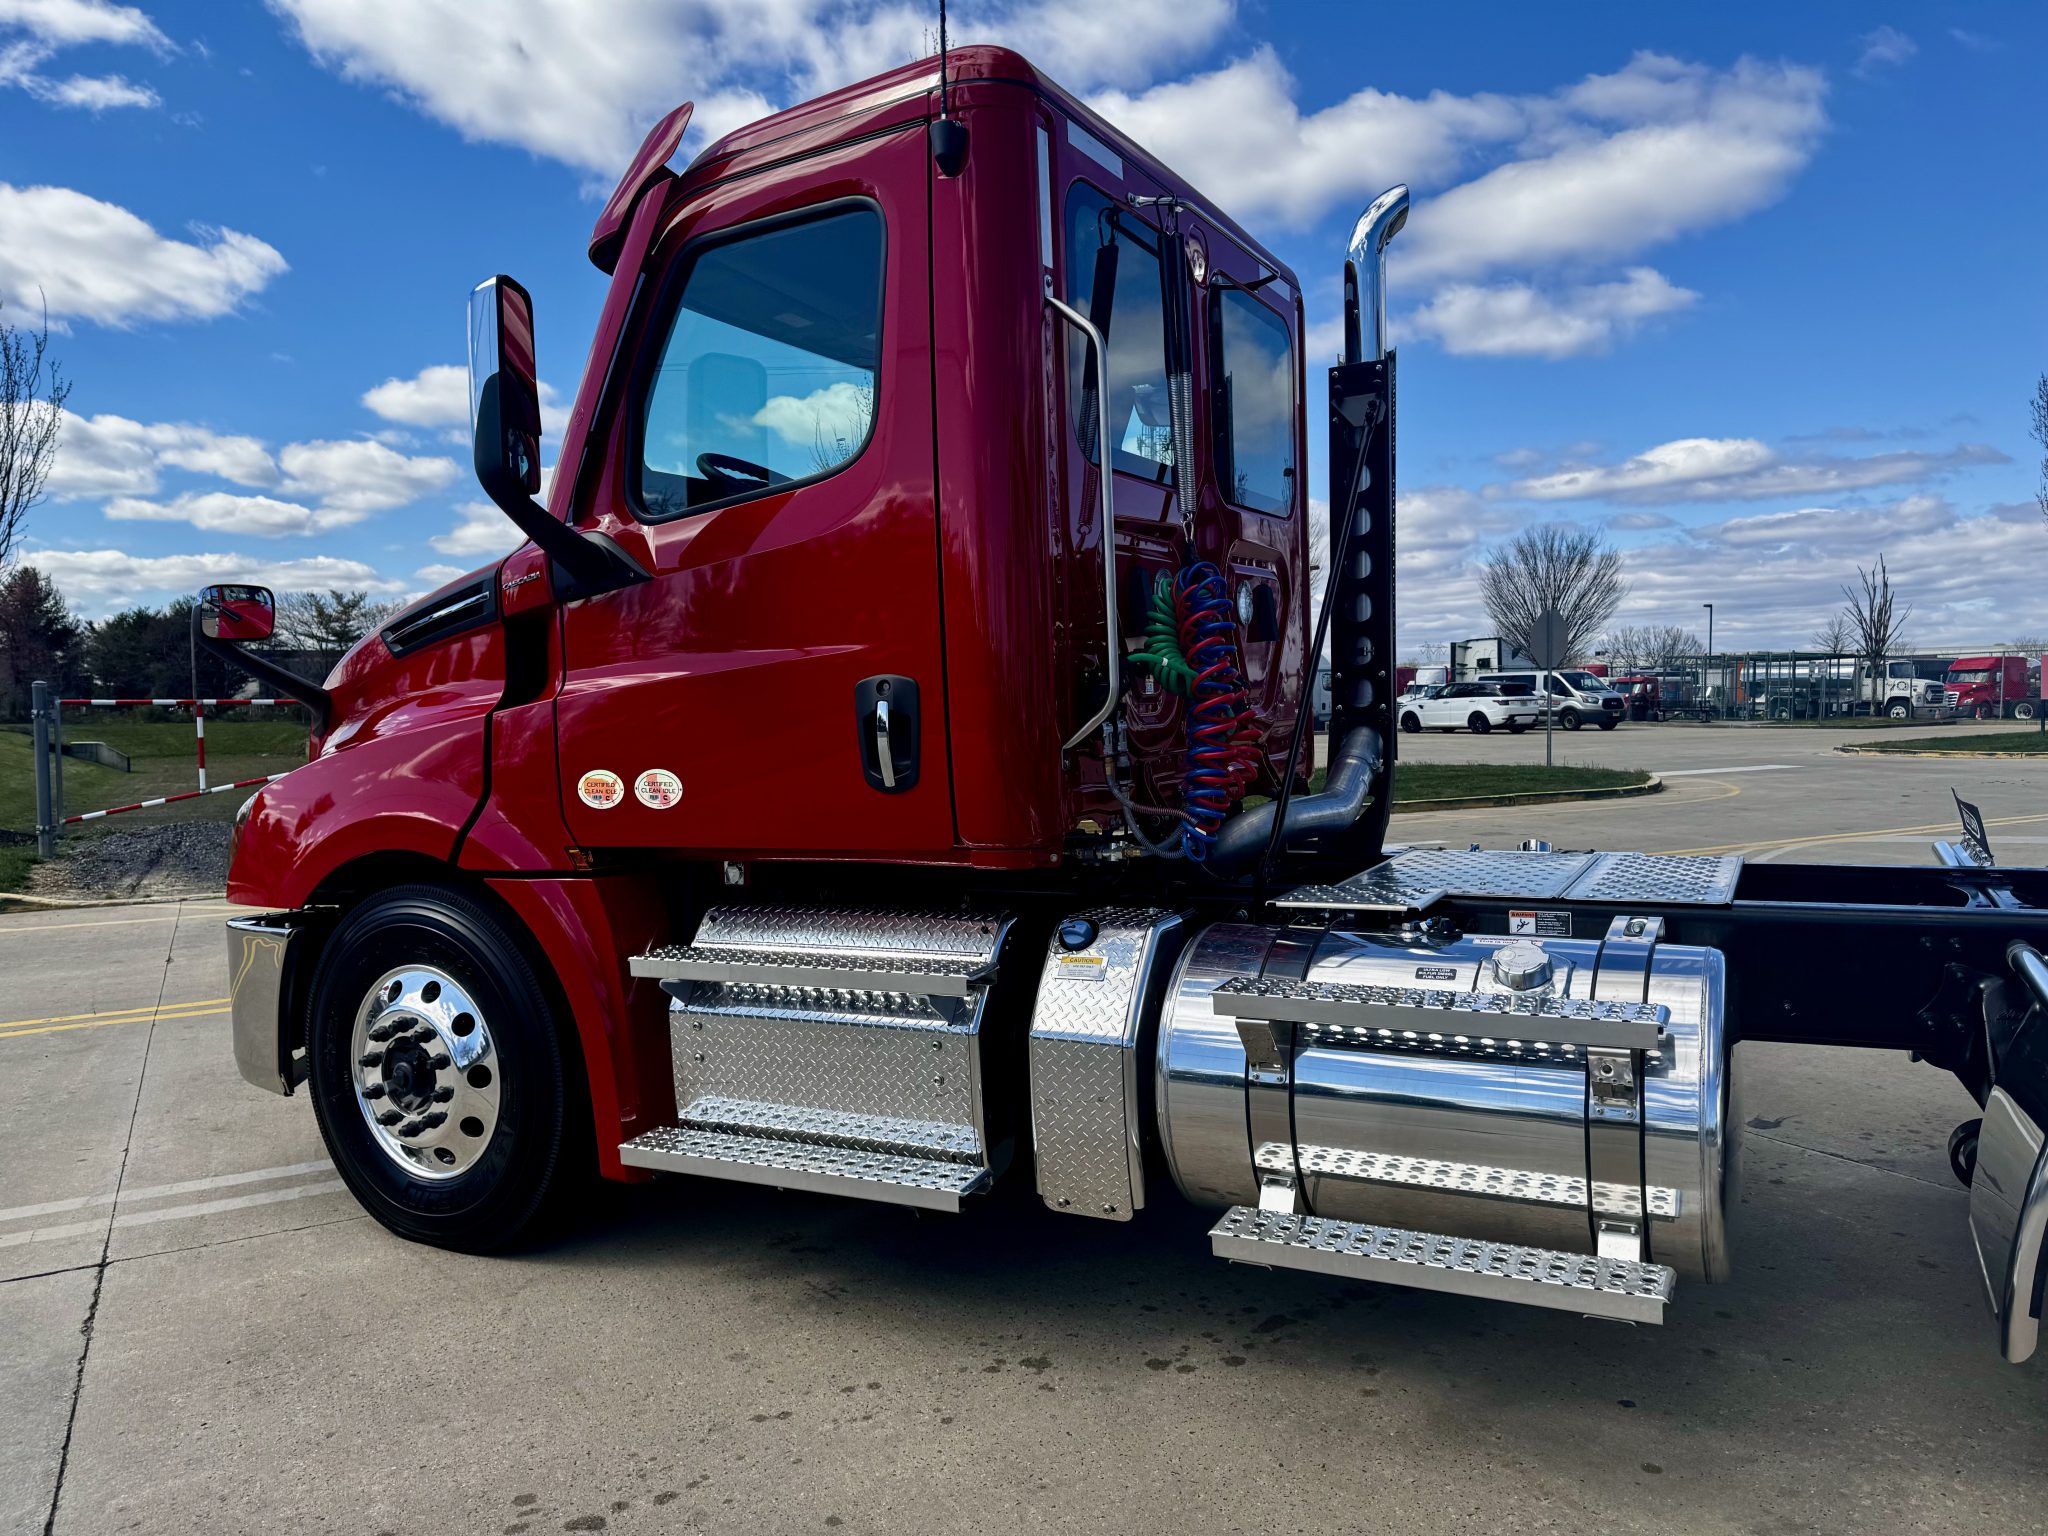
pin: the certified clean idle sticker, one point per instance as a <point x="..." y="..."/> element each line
<point x="657" y="789"/>
<point x="600" y="789"/>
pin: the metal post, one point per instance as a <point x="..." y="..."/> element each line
<point x="199" y="726"/>
<point x="1547" y="681"/>
<point x="46" y="814"/>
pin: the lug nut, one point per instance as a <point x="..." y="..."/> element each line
<point x="374" y="1091"/>
<point x="382" y="1032"/>
<point x="440" y="1061"/>
<point x="412" y="1128"/>
<point x="424" y="1034"/>
<point x="443" y="1095"/>
<point x="430" y="1122"/>
<point x="370" y="1059"/>
<point x="389" y="1117"/>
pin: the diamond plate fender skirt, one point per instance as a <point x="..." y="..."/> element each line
<point x="1105" y="971"/>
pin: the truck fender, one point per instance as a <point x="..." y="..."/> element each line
<point x="587" y="929"/>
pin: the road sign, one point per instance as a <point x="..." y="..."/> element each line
<point x="1547" y="640"/>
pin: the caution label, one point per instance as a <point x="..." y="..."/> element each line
<point x="1081" y="967"/>
<point x="1541" y="924"/>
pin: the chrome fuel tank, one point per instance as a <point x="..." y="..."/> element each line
<point x="1457" y="1085"/>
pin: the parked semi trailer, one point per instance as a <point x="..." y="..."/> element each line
<point x="884" y="770"/>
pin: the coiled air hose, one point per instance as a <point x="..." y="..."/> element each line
<point x="1191" y="647"/>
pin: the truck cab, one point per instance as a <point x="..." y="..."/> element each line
<point x="2002" y="687"/>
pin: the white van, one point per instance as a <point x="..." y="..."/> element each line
<point x="1576" y="697"/>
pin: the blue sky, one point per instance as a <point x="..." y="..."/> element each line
<point x="1755" y="289"/>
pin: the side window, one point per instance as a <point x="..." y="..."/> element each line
<point x="1253" y="363"/>
<point x="1113" y="278"/>
<point x="768" y="374"/>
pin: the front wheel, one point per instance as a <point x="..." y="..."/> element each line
<point x="1411" y="724"/>
<point x="1569" y="719"/>
<point x="1899" y="709"/>
<point x="1516" y="727"/>
<point x="2025" y="710"/>
<point x="1608" y="725"/>
<point x="437" y="1073"/>
<point x="1478" y="724"/>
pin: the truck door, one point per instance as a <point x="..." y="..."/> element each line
<point x="771" y="464"/>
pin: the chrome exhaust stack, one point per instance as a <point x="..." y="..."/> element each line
<point x="1365" y="276"/>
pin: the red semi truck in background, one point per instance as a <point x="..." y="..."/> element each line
<point x="885" y="770"/>
<point x="1995" y="687"/>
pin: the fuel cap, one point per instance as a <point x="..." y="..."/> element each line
<point x="1077" y="933"/>
<point x="1521" y="967"/>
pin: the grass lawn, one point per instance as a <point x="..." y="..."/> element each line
<point x="162" y="764"/>
<point x="2033" y="742"/>
<point x="1450" y="781"/>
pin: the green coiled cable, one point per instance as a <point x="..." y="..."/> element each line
<point x="1161" y="651"/>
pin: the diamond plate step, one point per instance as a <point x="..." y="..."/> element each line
<point x="929" y="975"/>
<point x="1431" y="1261"/>
<point x="927" y="1183"/>
<point x="1450" y="1017"/>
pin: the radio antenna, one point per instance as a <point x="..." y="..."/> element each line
<point x="948" y="138"/>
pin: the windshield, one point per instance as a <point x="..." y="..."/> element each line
<point x="1585" y="682"/>
<point x="1984" y="676"/>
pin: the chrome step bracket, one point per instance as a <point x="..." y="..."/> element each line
<point x="925" y="975"/>
<point x="1400" y="1013"/>
<point x="929" y="1184"/>
<point x="1620" y="1289"/>
<point x="2009" y="1220"/>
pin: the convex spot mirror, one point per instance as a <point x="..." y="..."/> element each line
<point x="237" y="613"/>
<point x="504" y="392"/>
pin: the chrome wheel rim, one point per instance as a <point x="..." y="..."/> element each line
<point x="424" y="1067"/>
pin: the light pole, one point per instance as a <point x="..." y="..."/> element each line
<point x="1710" y="645"/>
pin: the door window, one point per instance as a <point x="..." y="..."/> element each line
<point x="1113" y="278"/>
<point x="768" y="375"/>
<point x="1254" y="402"/>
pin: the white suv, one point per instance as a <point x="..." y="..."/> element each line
<point x="1477" y="707"/>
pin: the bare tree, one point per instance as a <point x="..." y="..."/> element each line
<point x="1649" y="647"/>
<point x="33" y="390"/>
<point x="1876" y="619"/>
<point x="1628" y="648"/>
<point x="1570" y="569"/>
<point x="2039" y="428"/>
<point x="1836" y="635"/>
<point x="326" y="624"/>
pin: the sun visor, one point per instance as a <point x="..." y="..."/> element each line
<point x="649" y="166"/>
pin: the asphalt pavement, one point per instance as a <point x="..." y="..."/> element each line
<point x="200" y="1333"/>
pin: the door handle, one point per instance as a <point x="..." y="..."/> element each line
<point x="886" y="723"/>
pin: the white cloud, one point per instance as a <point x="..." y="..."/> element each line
<point x="1884" y="47"/>
<point x="41" y="28"/>
<point x="439" y="575"/>
<point x="98" y="581"/>
<point x="108" y="455"/>
<point x="360" y="475"/>
<point x="436" y="396"/>
<point x="1741" y="469"/>
<point x="65" y="23"/>
<point x="540" y="74"/>
<point x="1516" y="320"/>
<point x="480" y="529"/>
<point x="838" y="413"/>
<point x="1695" y="148"/>
<point x="94" y="260"/>
<point x="223" y="512"/>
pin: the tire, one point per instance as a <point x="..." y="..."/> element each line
<point x="1516" y="727"/>
<point x="1569" y="719"/>
<point x="1608" y="725"/>
<point x="1962" y="1151"/>
<point x="1899" y="709"/>
<point x="417" y="960"/>
<point x="1411" y="723"/>
<point x="2026" y="709"/>
<point x="1478" y="724"/>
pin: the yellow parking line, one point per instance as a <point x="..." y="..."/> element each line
<point x="112" y="922"/>
<point x="1845" y="837"/>
<point x="113" y="1015"/>
<point x="97" y="1023"/>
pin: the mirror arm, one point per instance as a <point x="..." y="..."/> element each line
<point x="592" y="563"/>
<point x="318" y="701"/>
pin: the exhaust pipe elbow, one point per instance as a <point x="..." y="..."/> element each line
<point x="1365" y="276"/>
<point x="1343" y="798"/>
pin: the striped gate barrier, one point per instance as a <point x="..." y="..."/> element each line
<point x="199" y="707"/>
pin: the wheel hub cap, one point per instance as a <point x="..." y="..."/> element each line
<point x="425" y="1071"/>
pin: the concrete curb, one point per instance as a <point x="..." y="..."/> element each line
<point x="1653" y="786"/>
<point x="1903" y="752"/>
<point x="17" y="902"/>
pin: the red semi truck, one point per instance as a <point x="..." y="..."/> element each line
<point x="884" y="770"/>
<point x="1995" y="687"/>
